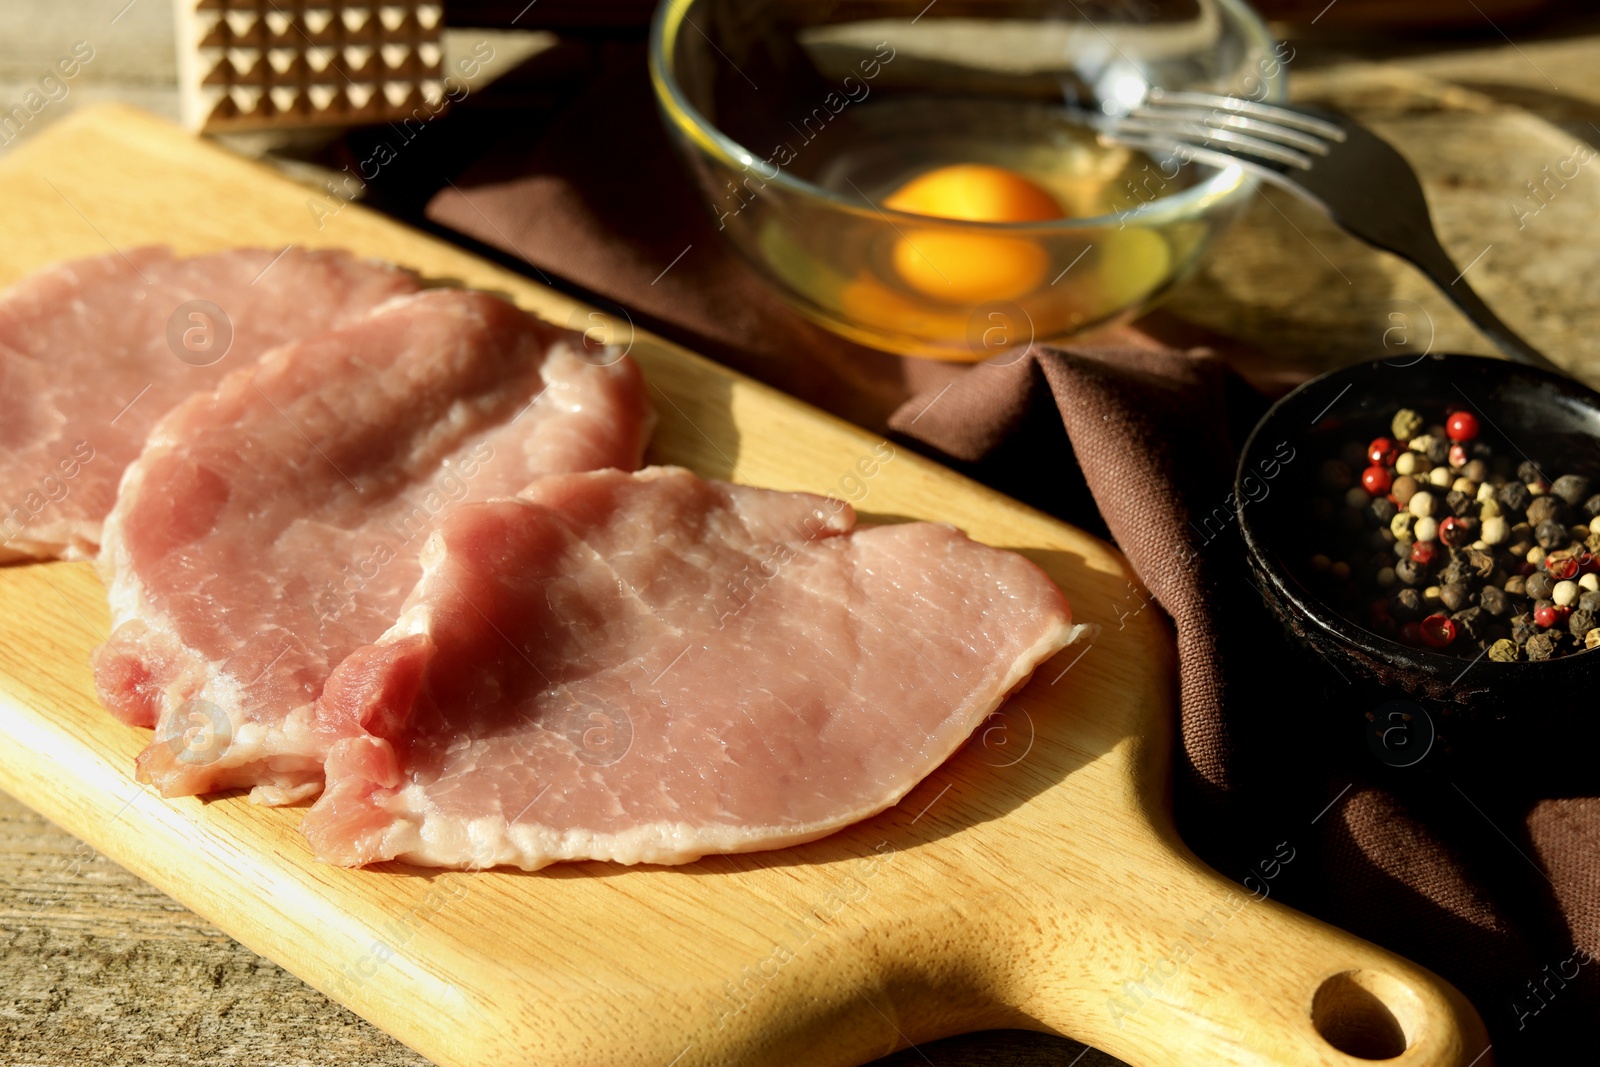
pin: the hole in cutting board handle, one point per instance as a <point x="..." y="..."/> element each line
<point x="1366" y="1014"/>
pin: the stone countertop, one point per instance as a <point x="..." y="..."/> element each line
<point x="96" y="966"/>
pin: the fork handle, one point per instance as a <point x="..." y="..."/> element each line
<point x="1441" y="270"/>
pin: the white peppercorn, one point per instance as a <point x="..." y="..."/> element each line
<point x="1441" y="477"/>
<point x="1565" y="593"/>
<point x="1421" y="504"/>
<point x="1495" y="531"/>
<point x="1426" y="529"/>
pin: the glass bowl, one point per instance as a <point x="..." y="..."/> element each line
<point x="799" y="120"/>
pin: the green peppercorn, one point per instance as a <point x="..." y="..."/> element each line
<point x="1516" y="585"/>
<point x="1523" y="628"/>
<point x="1406" y="424"/>
<point x="1504" y="651"/>
<point x="1581" y="622"/>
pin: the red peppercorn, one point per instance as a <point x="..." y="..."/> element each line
<point x="1525" y="568"/>
<point x="1550" y="615"/>
<point x="1463" y="426"/>
<point x="1438" y="630"/>
<point x="1381" y="452"/>
<point x="1561" y="569"/>
<point x="1424" y="552"/>
<point x="1411" y="633"/>
<point x="1376" y="480"/>
<point x="1588" y="564"/>
<point x="1458" y="456"/>
<point x="1380" y="610"/>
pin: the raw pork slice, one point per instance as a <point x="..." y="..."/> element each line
<point x="273" y="526"/>
<point x="93" y="352"/>
<point x="651" y="667"/>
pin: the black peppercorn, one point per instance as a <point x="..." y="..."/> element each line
<point x="1589" y="600"/>
<point x="1406" y="605"/>
<point x="1469" y="622"/>
<point x="1571" y="487"/>
<point x="1448" y="528"/>
<point x="1545" y="509"/>
<point x="1541" y="646"/>
<point x="1551" y="535"/>
<point x="1454" y="570"/>
<point x="1514" y="498"/>
<point x="1454" y="596"/>
<point x="1523" y="628"/>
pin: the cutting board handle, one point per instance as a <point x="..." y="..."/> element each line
<point x="1204" y="970"/>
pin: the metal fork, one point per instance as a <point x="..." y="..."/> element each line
<point x="1352" y="174"/>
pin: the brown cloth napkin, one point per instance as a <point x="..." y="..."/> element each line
<point x="1489" y="876"/>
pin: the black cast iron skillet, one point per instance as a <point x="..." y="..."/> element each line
<point x="1524" y="412"/>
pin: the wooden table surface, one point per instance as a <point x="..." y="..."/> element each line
<point x="98" y="967"/>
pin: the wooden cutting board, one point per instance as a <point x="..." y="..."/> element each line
<point x="1034" y="880"/>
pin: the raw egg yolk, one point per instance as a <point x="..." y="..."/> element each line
<point x="963" y="267"/>
<point x="975" y="192"/>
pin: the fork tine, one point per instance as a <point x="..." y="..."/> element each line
<point x="1214" y="157"/>
<point x="1238" y="105"/>
<point x="1188" y="135"/>
<point x="1241" y="123"/>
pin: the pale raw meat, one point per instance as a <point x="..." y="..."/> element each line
<point x="273" y="526"/>
<point x="87" y="366"/>
<point x="651" y="667"/>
